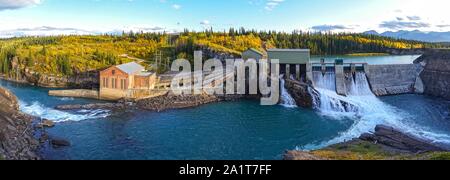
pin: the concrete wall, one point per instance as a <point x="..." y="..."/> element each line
<point x="113" y="94"/>
<point x="436" y="73"/>
<point x="79" y="93"/>
<point x="341" y="88"/>
<point x="392" y="79"/>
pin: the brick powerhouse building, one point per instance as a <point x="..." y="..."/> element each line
<point x="126" y="81"/>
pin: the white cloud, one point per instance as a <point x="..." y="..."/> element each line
<point x="16" y="4"/>
<point x="205" y="22"/>
<point x="272" y="4"/>
<point x="176" y="6"/>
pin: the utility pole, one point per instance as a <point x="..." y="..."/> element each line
<point x="158" y="59"/>
<point x="167" y="63"/>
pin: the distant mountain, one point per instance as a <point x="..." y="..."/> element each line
<point x="415" y="35"/>
<point x="43" y="31"/>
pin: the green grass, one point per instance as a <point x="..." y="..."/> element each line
<point x="440" y="156"/>
<point x="362" y="150"/>
<point x="354" y="151"/>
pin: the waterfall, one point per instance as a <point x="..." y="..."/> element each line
<point x="330" y="103"/>
<point x="363" y="108"/>
<point x="286" y="99"/>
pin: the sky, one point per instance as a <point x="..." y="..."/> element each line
<point x="100" y="16"/>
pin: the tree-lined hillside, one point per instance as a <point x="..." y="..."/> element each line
<point x="68" y="55"/>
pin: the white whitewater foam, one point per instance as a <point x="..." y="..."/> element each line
<point x="39" y="110"/>
<point x="286" y="98"/>
<point x="367" y="111"/>
<point x="66" y="99"/>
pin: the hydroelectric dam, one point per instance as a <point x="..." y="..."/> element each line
<point x="333" y="85"/>
<point x="343" y="90"/>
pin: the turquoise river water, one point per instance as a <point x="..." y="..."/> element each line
<point x="241" y="130"/>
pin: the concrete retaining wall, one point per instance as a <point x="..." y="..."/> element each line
<point x="78" y="93"/>
<point x="392" y="79"/>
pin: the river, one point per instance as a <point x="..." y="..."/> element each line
<point x="241" y="130"/>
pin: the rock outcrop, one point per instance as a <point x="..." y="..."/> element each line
<point x="386" y="143"/>
<point x="16" y="132"/>
<point x="396" y="139"/>
<point x="163" y="103"/>
<point x="160" y="103"/>
<point x="107" y="106"/>
<point x="300" y="92"/>
<point x="436" y="73"/>
<point x="88" y="80"/>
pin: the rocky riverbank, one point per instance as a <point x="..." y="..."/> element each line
<point x="163" y="103"/>
<point x="158" y="104"/>
<point x="16" y="132"/>
<point x="386" y="143"/>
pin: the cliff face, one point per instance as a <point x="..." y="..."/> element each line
<point x="82" y="81"/>
<point x="16" y="132"/>
<point x="436" y="73"/>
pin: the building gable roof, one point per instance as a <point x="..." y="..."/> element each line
<point x="256" y="51"/>
<point x="131" y="68"/>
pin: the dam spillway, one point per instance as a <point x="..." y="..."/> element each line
<point x="383" y="80"/>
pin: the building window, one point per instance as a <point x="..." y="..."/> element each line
<point x="122" y="84"/>
<point x="105" y="82"/>
<point x="113" y="72"/>
<point x="113" y="83"/>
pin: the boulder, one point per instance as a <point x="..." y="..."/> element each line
<point x="60" y="143"/>
<point x="396" y="139"/>
<point x="48" y="123"/>
<point x="301" y="93"/>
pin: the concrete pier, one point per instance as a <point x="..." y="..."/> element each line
<point x="309" y="73"/>
<point x="297" y="72"/>
<point x="77" y="93"/>
<point x="340" y="80"/>
<point x="288" y="71"/>
<point x="353" y="68"/>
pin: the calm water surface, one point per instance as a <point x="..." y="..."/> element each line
<point x="229" y="130"/>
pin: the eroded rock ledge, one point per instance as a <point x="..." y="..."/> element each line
<point x="157" y="104"/>
<point x="386" y="143"/>
<point x="16" y="132"/>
